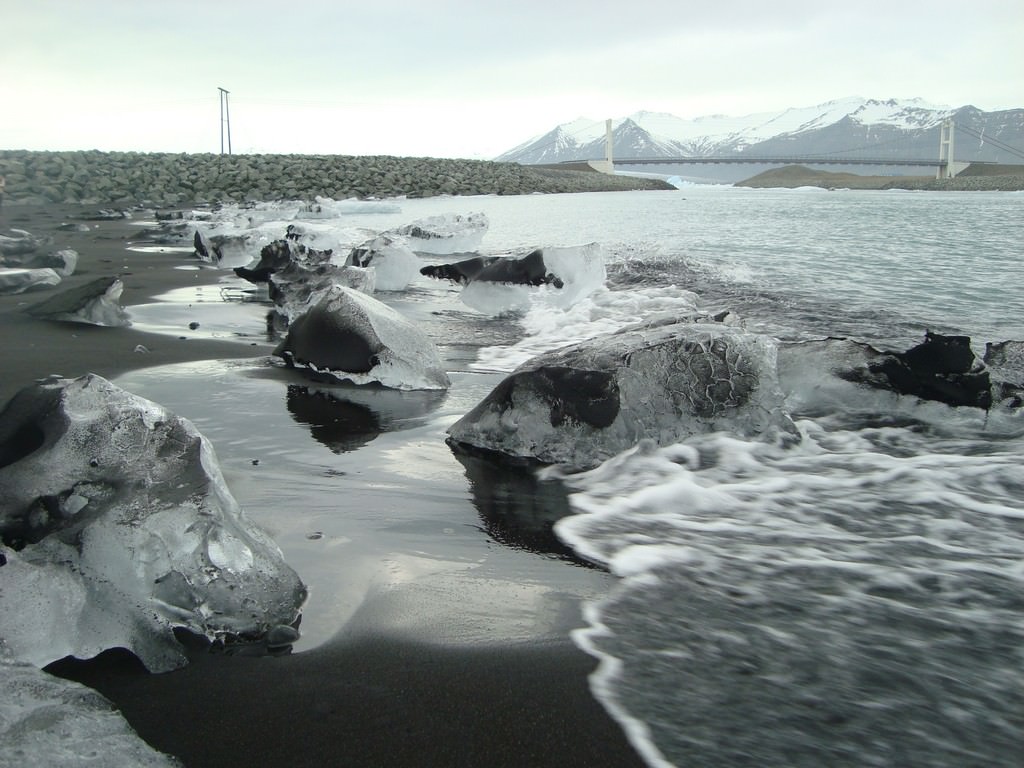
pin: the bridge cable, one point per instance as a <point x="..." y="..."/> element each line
<point x="990" y="140"/>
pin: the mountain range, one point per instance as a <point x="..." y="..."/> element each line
<point x="852" y="127"/>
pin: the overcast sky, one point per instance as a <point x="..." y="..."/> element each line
<point x="469" y="78"/>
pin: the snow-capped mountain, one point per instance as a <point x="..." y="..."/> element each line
<point x="853" y="127"/>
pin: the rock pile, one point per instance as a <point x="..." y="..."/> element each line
<point x="963" y="183"/>
<point x="98" y="178"/>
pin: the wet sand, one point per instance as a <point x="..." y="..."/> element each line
<point x="390" y="689"/>
<point x="35" y="348"/>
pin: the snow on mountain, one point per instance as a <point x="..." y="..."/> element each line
<point x="647" y="134"/>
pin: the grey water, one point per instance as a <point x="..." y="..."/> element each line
<point x="854" y="600"/>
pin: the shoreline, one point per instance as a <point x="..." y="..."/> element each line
<point x="29" y="343"/>
<point x="398" y="686"/>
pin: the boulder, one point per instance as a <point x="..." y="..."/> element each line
<point x="117" y="528"/>
<point x="582" y="404"/>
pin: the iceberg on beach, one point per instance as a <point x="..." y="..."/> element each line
<point x="351" y="336"/>
<point x="98" y="302"/>
<point x="15" y="280"/>
<point x="941" y="368"/>
<point x="562" y="275"/>
<point x="582" y="404"/>
<point x="20" y="242"/>
<point x="279" y="255"/>
<point x="445" y="234"/>
<point x="117" y="528"/>
<point x="391" y="259"/>
<point x="47" y="721"/>
<point x="329" y="208"/>
<point x="63" y="262"/>
<point x="296" y="288"/>
<point x="1005" y="362"/>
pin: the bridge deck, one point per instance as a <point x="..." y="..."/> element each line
<point x="788" y="160"/>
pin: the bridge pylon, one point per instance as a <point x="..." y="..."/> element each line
<point x="948" y="167"/>
<point x="608" y="164"/>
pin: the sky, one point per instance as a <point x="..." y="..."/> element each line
<point x="468" y="78"/>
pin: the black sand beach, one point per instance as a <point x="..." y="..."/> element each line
<point x="381" y="693"/>
<point x="36" y="348"/>
<point x="371" y="701"/>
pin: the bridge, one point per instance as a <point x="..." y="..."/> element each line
<point x="945" y="166"/>
<point x="782" y="160"/>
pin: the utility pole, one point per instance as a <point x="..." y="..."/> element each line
<point x="225" y="119"/>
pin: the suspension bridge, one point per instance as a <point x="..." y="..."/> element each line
<point x="945" y="164"/>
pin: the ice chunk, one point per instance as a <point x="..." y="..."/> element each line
<point x="20" y="242"/>
<point x="63" y="262"/>
<point x="582" y="404"/>
<point x="393" y="262"/>
<point x="329" y="208"/>
<point x="47" y="721"/>
<point x="279" y="255"/>
<point x="355" y="337"/>
<point x="296" y="288"/>
<point x="223" y="250"/>
<point x="96" y="303"/>
<point x="499" y="285"/>
<point x="497" y="299"/>
<point x="119" y="527"/>
<point x="445" y="234"/>
<point x="462" y="272"/>
<point x="16" y="280"/>
<point x="1005" y="361"/>
<point x="941" y="368"/>
<point x="580" y="268"/>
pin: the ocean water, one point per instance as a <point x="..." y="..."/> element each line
<point x="855" y="599"/>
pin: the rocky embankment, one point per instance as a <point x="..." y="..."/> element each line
<point x="975" y="178"/>
<point x="967" y="182"/>
<point x="94" y="177"/>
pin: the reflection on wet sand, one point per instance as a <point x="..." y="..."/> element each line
<point x="344" y="418"/>
<point x="517" y="508"/>
<point x="340" y="425"/>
